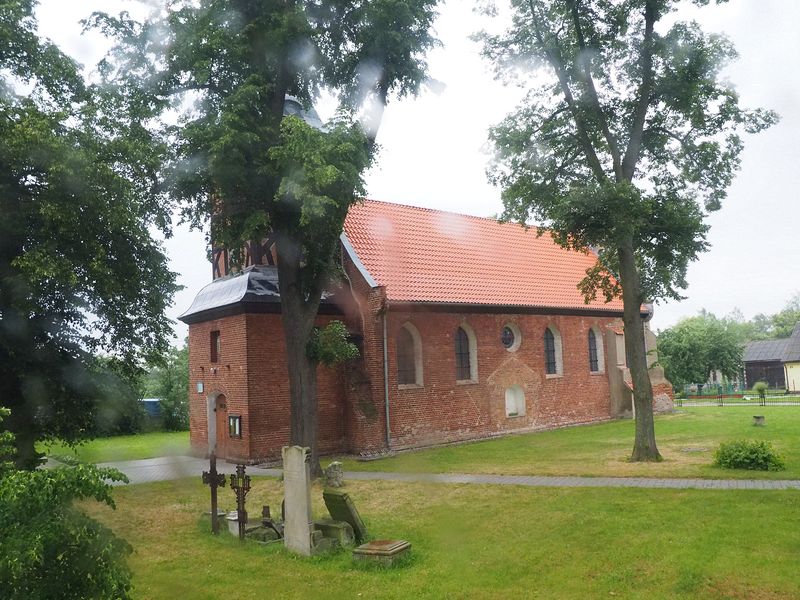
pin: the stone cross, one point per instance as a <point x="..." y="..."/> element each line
<point x="214" y="480"/>
<point x="298" y="525"/>
<point x="240" y="484"/>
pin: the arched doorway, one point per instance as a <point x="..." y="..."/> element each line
<point x="218" y="437"/>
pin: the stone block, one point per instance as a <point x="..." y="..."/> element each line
<point x="383" y="552"/>
<point x="340" y="531"/>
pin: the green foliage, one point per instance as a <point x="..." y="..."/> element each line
<point x="760" y="388"/>
<point x="750" y="455"/>
<point x="80" y="272"/>
<point x="627" y="137"/>
<point x="7" y="450"/>
<point x="228" y="67"/>
<point x="330" y="345"/>
<point x="49" y="547"/>
<point x="779" y="325"/>
<point x="170" y="383"/>
<point x="696" y="346"/>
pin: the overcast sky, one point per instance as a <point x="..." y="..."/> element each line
<point x="433" y="150"/>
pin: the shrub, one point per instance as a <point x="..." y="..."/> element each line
<point x="50" y="548"/>
<point x="750" y="455"/>
<point x="760" y="388"/>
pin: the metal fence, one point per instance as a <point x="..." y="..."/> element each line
<point x="744" y="400"/>
<point x="713" y="389"/>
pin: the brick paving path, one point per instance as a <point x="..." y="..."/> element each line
<point x="176" y="467"/>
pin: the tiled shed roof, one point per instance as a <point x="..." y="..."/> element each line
<point x="431" y="256"/>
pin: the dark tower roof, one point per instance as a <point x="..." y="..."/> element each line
<point x="254" y="289"/>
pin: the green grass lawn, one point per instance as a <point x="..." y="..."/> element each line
<point x="481" y="542"/>
<point x="687" y="441"/>
<point x="124" y="447"/>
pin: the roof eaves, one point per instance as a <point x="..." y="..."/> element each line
<point x="503" y="308"/>
<point x="351" y="252"/>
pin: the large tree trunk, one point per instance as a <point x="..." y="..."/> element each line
<point x="644" y="446"/>
<point x="20" y="422"/>
<point x="298" y="314"/>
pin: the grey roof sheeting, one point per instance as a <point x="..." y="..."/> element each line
<point x="784" y="350"/>
<point x="792" y="353"/>
<point x="253" y="285"/>
<point x="255" y="289"/>
<point x="765" y="350"/>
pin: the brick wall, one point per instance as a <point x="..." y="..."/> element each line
<point x="227" y="376"/>
<point x="443" y="410"/>
<point x="252" y="373"/>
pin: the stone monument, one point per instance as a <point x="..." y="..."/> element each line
<point x="334" y="475"/>
<point x="298" y="526"/>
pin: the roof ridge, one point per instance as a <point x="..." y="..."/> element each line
<point x="450" y="212"/>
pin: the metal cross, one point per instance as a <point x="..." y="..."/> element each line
<point x="215" y="480"/>
<point x="240" y="483"/>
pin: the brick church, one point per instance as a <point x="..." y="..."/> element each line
<point x="468" y="328"/>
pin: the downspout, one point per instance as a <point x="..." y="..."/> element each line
<point x="386" y="381"/>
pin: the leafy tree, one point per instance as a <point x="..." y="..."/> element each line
<point x="170" y="383"/>
<point x="696" y="346"/>
<point x="50" y="548"/>
<point x="625" y="140"/>
<point x="784" y="321"/>
<point x="79" y="270"/>
<point x="256" y="171"/>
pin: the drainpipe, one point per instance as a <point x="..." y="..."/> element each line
<point x="386" y="381"/>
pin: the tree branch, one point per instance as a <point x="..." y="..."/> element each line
<point x="645" y="91"/>
<point x="591" y="91"/>
<point x="558" y="66"/>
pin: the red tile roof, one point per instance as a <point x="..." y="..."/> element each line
<point x="425" y="255"/>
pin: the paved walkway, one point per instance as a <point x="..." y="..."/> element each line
<point x="176" y="467"/>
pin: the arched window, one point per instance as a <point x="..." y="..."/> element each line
<point x="409" y="356"/>
<point x="596" y="356"/>
<point x="466" y="352"/>
<point x="593" y="366"/>
<point x="553" y="364"/>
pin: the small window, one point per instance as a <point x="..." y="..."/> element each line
<point x="463" y="372"/>
<point x="594" y="367"/>
<point x="515" y="401"/>
<point x="215" y="346"/>
<point x="553" y="364"/>
<point x="405" y="358"/>
<point x="549" y="352"/>
<point x="409" y="356"/>
<point x="235" y="426"/>
<point x="466" y="352"/>
<point x="511" y="337"/>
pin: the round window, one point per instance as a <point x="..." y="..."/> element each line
<point x="511" y="337"/>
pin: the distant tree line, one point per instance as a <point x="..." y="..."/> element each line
<point x="697" y="346"/>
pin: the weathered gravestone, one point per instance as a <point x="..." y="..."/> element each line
<point x="298" y="526"/>
<point x="334" y="475"/>
<point x="342" y="508"/>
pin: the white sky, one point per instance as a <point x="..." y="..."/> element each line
<point x="433" y="150"/>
